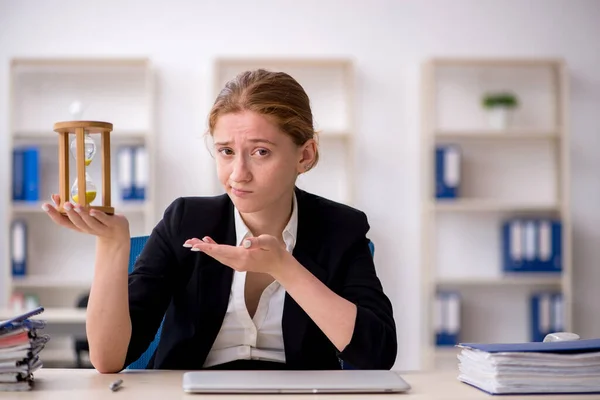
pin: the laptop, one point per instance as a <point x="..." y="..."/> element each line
<point x="329" y="381"/>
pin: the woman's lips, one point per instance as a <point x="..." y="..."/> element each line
<point x="240" y="192"/>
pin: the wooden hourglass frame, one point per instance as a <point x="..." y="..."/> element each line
<point x="80" y="129"/>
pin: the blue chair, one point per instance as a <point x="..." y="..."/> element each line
<point x="137" y="245"/>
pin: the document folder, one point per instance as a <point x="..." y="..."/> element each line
<point x="532" y="368"/>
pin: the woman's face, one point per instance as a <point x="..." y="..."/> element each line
<point x="257" y="164"/>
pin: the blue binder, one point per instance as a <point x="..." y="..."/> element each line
<point x="447" y="171"/>
<point x="558" y="315"/>
<point x="546" y="314"/>
<point x="18" y="169"/>
<point x="531" y="245"/>
<point x="513" y="243"/>
<point x="18" y="248"/>
<point x="31" y="175"/>
<point x="448" y="331"/>
<point x="555" y="263"/>
<point x="571" y="346"/>
<point x="140" y="172"/>
<point x="125" y="177"/>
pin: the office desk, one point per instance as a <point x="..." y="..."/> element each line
<point x="87" y="384"/>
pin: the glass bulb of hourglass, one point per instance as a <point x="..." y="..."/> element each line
<point x="90" y="190"/>
<point x="89" y="148"/>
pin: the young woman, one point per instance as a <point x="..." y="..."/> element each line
<point x="266" y="276"/>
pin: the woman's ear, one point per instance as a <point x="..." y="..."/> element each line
<point x="308" y="156"/>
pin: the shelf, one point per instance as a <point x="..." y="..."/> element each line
<point x="494" y="135"/>
<point x="62" y="356"/>
<point x="334" y="134"/>
<point x="530" y="279"/>
<point x="485" y="205"/>
<point x="448" y="352"/>
<point x="519" y="171"/>
<point x="496" y="62"/>
<point x="53" y="315"/>
<point x="35" y="207"/>
<point x="50" y="282"/>
<point x="50" y="138"/>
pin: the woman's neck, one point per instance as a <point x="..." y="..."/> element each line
<point x="270" y="221"/>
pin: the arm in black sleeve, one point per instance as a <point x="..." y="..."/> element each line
<point x="152" y="281"/>
<point x="374" y="343"/>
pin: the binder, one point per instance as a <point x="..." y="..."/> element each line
<point x="555" y="262"/>
<point x="18" y="245"/>
<point x="18" y="180"/>
<point x="140" y="180"/>
<point x="17" y="319"/>
<point x="566" y="347"/>
<point x="447" y="171"/>
<point x="125" y="166"/>
<point x="544" y="317"/>
<point x="532" y="368"/>
<point x="447" y="318"/>
<point x="513" y="246"/>
<point x="438" y="317"/>
<point x="531" y="245"/>
<point x="558" y="313"/>
<point x="530" y="250"/>
<point x="31" y="174"/>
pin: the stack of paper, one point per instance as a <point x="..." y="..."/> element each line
<point x="20" y="347"/>
<point x="538" y="367"/>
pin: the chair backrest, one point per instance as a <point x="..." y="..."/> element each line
<point x="137" y="245"/>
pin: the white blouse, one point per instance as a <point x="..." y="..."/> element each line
<point x="260" y="337"/>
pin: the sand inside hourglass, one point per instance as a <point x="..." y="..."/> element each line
<point x="90" y="187"/>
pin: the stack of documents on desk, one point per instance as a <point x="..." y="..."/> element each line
<point x="20" y="347"/>
<point x="538" y="367"/>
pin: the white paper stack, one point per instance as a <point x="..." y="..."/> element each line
<point x="20" y="347"/>
<point x="555" y="367"/>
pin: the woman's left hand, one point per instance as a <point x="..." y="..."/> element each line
<point x="257" y="254"/>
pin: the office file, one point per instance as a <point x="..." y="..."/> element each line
<point x="535" y="367"/>
<point x="125" y="168"/>
<point x="140" y="172"/>
<point x="26" y="174"/>
<point x="18" y="170"/>
<point x="447" y="318"/>
<point x="21" y="345"/>
<point x="531" y="245"/>
<point x="31" y="175"/>
<point x="558" y="313"/>
<point x="541" y="316"/>
<point x="546" y="313"/>
<point x="447" y="171"/>
<point x="18" y="246"/>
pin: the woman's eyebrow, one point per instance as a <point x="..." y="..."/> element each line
<point x="257" y="140"/>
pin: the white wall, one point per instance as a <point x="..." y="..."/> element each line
<point x="388" y="38"/>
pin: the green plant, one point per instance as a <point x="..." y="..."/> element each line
<point x="500" y="99"/>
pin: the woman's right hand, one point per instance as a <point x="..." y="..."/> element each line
<point x="90" y="221"/>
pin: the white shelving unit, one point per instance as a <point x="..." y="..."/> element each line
<point x="519" y="171"/>
<point x="330" y="85"/>
<point x="117" y="90"/>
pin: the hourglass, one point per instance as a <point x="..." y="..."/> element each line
<point x="83" y="148"/>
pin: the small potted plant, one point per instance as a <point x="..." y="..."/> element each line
<point x="500" y="106"/>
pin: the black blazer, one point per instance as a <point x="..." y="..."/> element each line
<point x="193" y="289"/>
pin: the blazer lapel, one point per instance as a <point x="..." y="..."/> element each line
<point x="308" y="243"/>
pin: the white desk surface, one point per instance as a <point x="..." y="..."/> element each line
<point x="146" y="385"/>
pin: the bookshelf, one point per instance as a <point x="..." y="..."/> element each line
<point x="520" y="170"/>
<point x="59" y="262"/>
<point x="329" y="83"/>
